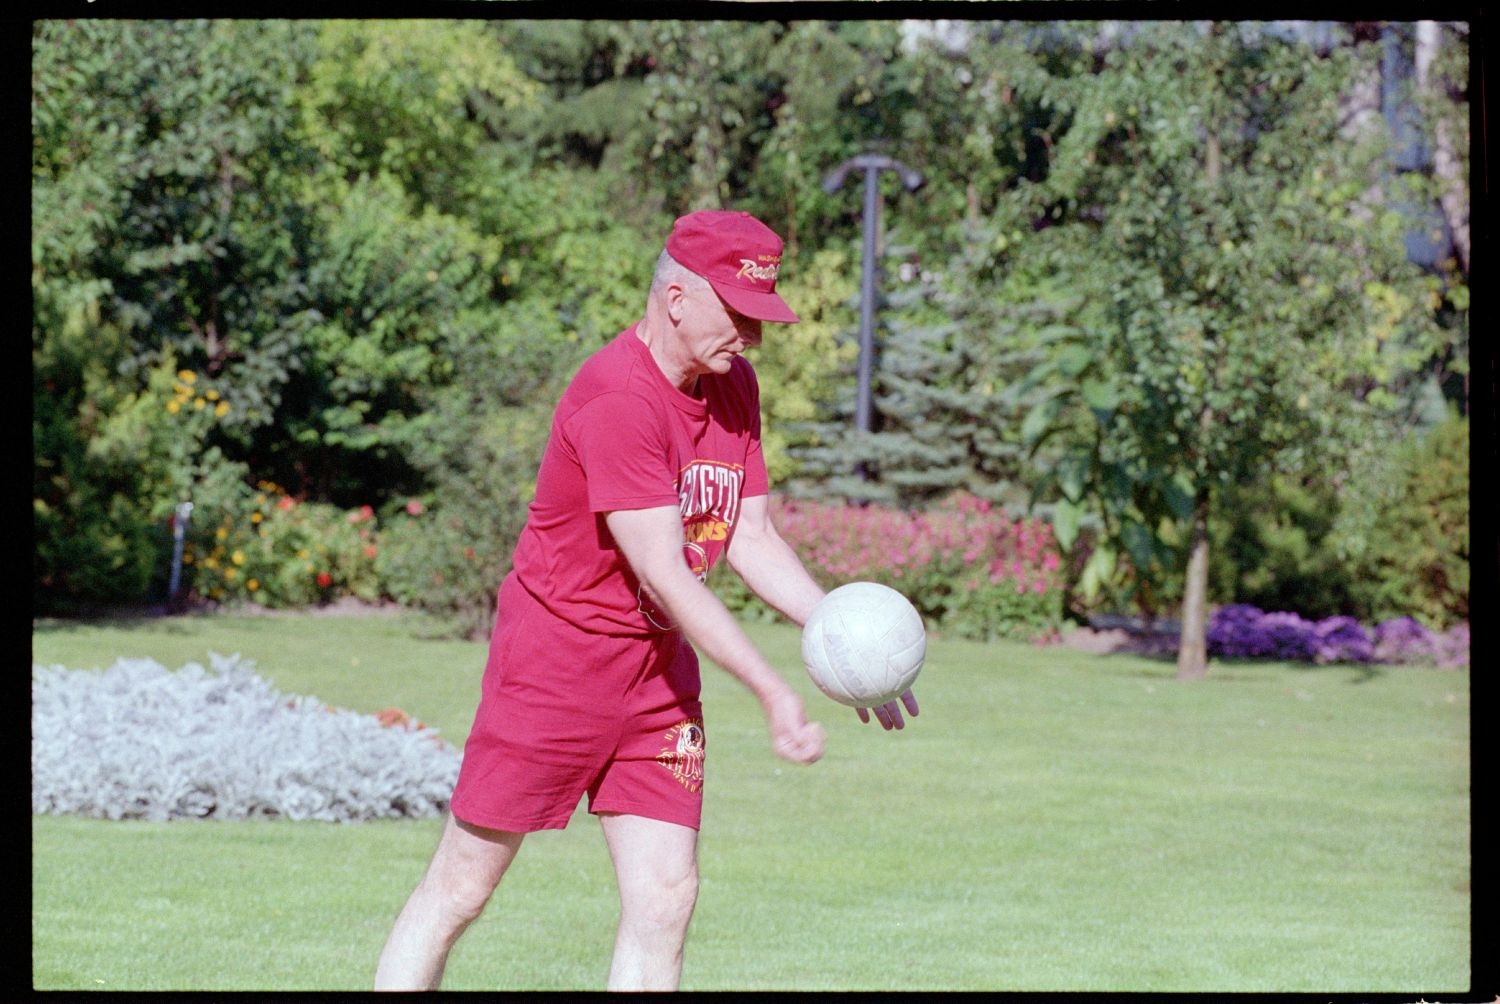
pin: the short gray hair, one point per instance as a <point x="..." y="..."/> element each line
<point x="670" y="270"/>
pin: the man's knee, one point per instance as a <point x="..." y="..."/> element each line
<point x="458" y="897"/>
<point x="685" y="897"/>
<point x="466" y="869"/>
<point x="666" y="905"/>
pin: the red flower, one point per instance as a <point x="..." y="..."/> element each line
<point x="361" y="514"/>
<point x="392" y="717"/>
<point x="415" y="508"/>
<point x="370" y="551"/>
<point x="324" y="580"/>
<point x="285" y="502"/>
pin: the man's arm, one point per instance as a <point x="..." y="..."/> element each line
<point x="651" y="540"/>
<point x="762" y="557"/>
<point x="759" y="555"/>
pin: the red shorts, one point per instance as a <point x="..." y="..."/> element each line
<point x="564" y="713"/>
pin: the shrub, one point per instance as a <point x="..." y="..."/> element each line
<point x="112" y="462"/>
<point x="1403" y="639"/>
<point x="430" y="560"/>
<point x="1408" y="640"/>
<point x="1241" y="630"/>
<point x="282" y="552"/>
<point x="1409" y="539"/>
<point x="136" y="741"/>
<point x="967" y="567"/>
<point x="1271" y="546"/>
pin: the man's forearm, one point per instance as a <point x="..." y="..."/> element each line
<point x="714" y="632"/>
<point x="772" y="571"/>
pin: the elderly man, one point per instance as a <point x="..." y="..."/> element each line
<point x="653" y="470"/>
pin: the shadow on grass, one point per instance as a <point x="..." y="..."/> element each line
<point x="158" y="619"/>
<point x="119" y="620"/>
<point x="1220" y="668"/>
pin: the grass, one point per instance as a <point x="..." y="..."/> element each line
<point x="1052" y="821"/>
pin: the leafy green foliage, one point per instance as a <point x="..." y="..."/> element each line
<point x="1204" y="176"/>
<point x="1155" y="269"/>
<point x="1412" y="556"/>
<point x="165" y="238"/>
<point x="403" y="98"/>
<point x="1273" y="548"/>
<point x="799" y="366"/>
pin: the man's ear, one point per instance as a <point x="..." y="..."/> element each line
<point x="676" y="301"/>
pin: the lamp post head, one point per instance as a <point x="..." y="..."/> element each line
<point x="910" y="179"/>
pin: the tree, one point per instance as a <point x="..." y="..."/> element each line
<point x="1248" y="309"/>
<point x="165" y="236"/>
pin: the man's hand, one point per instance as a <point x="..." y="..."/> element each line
<point x="793" y="737"/>
<point x="889" y="715"/>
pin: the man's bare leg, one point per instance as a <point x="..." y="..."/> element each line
<point x="465" y="868"/>
<point x="656" y="865"/>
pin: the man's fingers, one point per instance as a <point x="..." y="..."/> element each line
<point x="890" y="716"/>
<point x="894" y="711"/>
<point x="806" y="746"/>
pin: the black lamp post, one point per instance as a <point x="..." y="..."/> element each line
<point x="872" y="164"/>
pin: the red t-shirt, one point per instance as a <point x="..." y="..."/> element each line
<point x="623" y="437"/>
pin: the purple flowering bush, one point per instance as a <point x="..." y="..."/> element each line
<point x="1241" y="631"/>
<point x="967" y="567"/>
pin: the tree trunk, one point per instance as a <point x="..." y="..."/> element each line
<point x="1192" y="647"/>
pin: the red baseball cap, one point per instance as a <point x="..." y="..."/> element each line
<point x="739" y="256"/>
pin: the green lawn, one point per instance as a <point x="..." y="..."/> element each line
<point x="1052" y="821"/>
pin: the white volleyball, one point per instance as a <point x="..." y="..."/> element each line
<point x="864" y="644"/>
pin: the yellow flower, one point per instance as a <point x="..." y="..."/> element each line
<point x="230" y="574"/>
<point x="198" y="404"/>
<point x="187" y="559"/>
<point x="221" y="409"/>
<point x="303" y="554"/>
<point x="187" y="376"/>
<point x="212" y="395"/>
<point x="252" y="585"/>
<point x="256" y="517"/>
<point x="221" y="533"/>
<point x="210" y="563"/>
<point x="174" y="407"/>
<point x="238" y="557"/>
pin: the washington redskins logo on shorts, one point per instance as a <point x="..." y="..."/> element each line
<point x="682" y="753"/>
